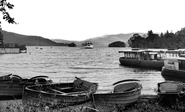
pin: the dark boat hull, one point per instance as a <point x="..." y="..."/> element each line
<point x="171" y="92"/>
<point x="66" y="100"/>
<point x="173" y="73"/>
<point x="10" y="90"/>
<point x="152" y="64"/>
<point x="12" y="86"/>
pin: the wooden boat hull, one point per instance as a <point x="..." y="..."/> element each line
<point x="171" y="92"/>
<point x="52" y="100"/>
<point x="119" y="96"/>
<point x="10" y="90"/>
<point x="173" y="73"/>
<point x="37" y="96"/>
<point x="152" y="64"/>
<point x="12" y="86"/>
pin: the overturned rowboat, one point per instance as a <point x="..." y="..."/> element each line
<point x="125" y="93"/>
<point x="58" y="95"/>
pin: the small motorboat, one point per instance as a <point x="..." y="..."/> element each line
<point x="58" y="95"/>
<point x="125" y="93"/>
<point x="12" y="86"/>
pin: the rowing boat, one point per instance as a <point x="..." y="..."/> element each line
<point x="12" y="86"/>
<point x="125" y="92"/>
<point x="58" y="95"/>
<point x="171" y="92"/>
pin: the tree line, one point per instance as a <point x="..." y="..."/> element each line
<point x="163" y="40"/>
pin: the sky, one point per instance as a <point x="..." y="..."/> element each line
<point x="84" y="19"/>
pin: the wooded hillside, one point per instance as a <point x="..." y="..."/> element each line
<point x="10" y="37"/>
<point x="153" y="40"/>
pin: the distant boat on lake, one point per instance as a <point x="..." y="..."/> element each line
<point x="87" y="45"/>
<point x="11" y="48"/>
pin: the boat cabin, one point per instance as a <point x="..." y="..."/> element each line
<point x="175" y="53"/>
<point x="143" y="54"/>
<point x="174" y="63"/>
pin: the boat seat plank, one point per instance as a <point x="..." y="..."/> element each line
<point x="57" y="91"/>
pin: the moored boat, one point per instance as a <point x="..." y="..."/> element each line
<point x="12" y="86"/>
<point x="171" y="92"/>
<point x="58" y="95"/>
<point x="125" y="93"/>
<point x="142" y="58"/>
<point x="148" y="58"/>
<point x="174" y="66"/>
<point x="10" y="48"/>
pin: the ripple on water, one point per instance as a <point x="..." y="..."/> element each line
<point x="62" y="64"/>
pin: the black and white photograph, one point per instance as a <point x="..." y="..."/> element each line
<point x="92" y="56"/>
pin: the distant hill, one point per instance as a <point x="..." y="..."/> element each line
<point x="104" y="40"/>
<point x="107" y="39"/>
<point x="10" y="37"/>
<point x="62" y="41"/>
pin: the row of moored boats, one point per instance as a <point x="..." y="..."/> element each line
<point x="170" y="62"/>
<point x="39" y="93"/>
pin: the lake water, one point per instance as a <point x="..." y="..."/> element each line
<point x="62" y="64"/>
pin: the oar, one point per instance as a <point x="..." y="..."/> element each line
<point x="93" y="100"/>
<point x="127" y="80"/>
<point x="57" y="91"/>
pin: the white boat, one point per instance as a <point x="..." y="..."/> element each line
<point x="174" y="67"/>
<point x="87" y="45"/>
<point x="144" y="58"/>
<point x="148" y="58"/>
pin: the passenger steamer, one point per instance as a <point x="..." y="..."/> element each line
<point x="142" y="58"/>
<point x="174" y="67"/>
<point x="147" y="58"/>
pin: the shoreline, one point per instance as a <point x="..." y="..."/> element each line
<point x="146" y="103"/>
